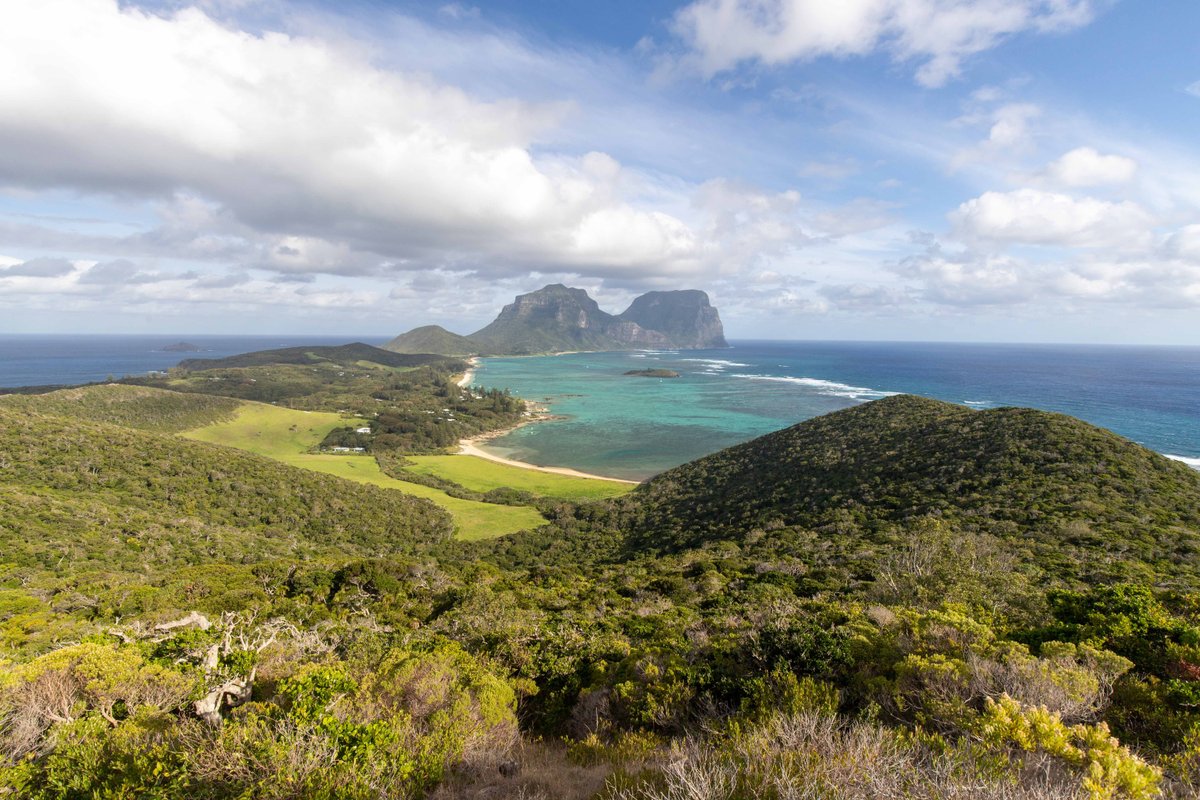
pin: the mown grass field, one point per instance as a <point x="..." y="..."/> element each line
<point x="286" y="434"/>
<point x="481" y="475"/>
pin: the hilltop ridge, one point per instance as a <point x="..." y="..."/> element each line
<point x="1063" y="491"/>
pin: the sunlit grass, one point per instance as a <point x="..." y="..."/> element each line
<point x="481" y="475"/>
<point x="286" y="435"/>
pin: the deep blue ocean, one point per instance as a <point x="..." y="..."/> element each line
<point x="39" y="360"/>
<point x="625" y="426"/>
<point x="633" y="427"/>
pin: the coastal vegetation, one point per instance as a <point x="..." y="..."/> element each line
<point x="138" y="407"/>
<point x="904" y="599"/>
<point x="298" y="438"/>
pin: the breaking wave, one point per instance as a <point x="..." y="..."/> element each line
<point x="831" y="388"/>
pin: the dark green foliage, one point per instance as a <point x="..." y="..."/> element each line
<point x="138" y="407"/>
<point x="424" y="412"/>
<point x="105" y="495"/>
<point x="415" y="409"/>
<point x="1062" y="490"/>
<point x="432" y="339"/>
<point x="346" y="355"/>
<point x="939" y="606"/>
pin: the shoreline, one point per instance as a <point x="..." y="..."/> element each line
<point x="468" y="376"/>
<point x="471" y="447"/>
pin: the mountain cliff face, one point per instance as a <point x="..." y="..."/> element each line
<point x="686" y="317"/>
<point x="557" y="319"/>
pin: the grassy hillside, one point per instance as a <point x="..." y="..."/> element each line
<point x="139" y="407"/>
<point x="1076" y="496"/>
<point x="152" y="586"/>
<point x="85" y="493"/>
<point x="432" y="339"/>
<point x="344" y="355"/>
<point x="287" y="435"/>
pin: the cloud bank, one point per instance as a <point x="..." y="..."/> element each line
<point x="937" y="34"/>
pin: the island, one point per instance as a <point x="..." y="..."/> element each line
<point x="653" y="373"/>
<point x="183" y="347"/>
<point x="560" y="319"/>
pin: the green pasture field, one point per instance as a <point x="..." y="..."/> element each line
<point x="286" y="435"/>
<point x="481" y="475"/>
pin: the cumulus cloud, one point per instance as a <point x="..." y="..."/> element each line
<point x="1031" y="216"/>
<point x="38" y="268"/>
<point x="1010" y="125"/>
<point x="306" y="143"/>
<point x="1152" y="278"/>
<point x="1084" y="166"/>
<point x="121" y="273"/>
<point x="936" y="34"/>
<point x="1185" y="243"/>
<point x="967" y="278"/>
<point x="1009" y="133"/>
<point x="863" y="297"/>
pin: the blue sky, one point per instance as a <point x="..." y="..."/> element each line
<point x="1001" y="170"/>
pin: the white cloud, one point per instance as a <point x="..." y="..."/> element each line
<point x="1193" y="89"/>
<point x="1084" y="166"/>
<point x="36" y="268"/>
<point x="863" y="297"/>
<point x="1185" y="243"/>
<point x="1010" y="127"/>
<point x="287" y="140"/>
<point x="968" y="279"/>
<point x="1031" y="216"/>
<point x="938" y="34"/>
<point x="1009" y="134"/>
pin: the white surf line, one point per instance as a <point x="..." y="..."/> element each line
<point x="1194" y="463"/>
<point x="469" y="375"/>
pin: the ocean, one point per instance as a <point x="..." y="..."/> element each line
<point x="41" y="360"/>
<point x="633" y="427"/>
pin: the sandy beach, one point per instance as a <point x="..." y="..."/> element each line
<point x="469" y="375"/>
<point x="471" y="447"/>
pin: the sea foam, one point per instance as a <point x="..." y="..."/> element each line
<point x="1194" y="463"/>
<point x="831" y="388"/>
<point x="715" y="362"/>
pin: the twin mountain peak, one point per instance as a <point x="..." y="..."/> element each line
<point x="557" y="319"/>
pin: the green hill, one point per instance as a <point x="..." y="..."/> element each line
<point x="141" y="407"/>
<point x="100" y="496"/>
<point x="345" y="355"/>
<point x="432" y="339"/>
<point x="1065" y="492"/>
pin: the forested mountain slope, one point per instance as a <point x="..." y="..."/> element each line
<point x="141" y="407"/>
<point x="77" y="493"/>
<point x="1071" y="492"/>
<point x="344" y="355"/>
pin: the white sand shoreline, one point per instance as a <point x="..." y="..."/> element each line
<point x="471" y="447"/>
<point x="469" y="375"/>
<point x="467" y="448"/>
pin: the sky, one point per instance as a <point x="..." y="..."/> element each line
<point x="954" y="170"/>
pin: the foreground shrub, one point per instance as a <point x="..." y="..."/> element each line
<point x="1022" y="756"/>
